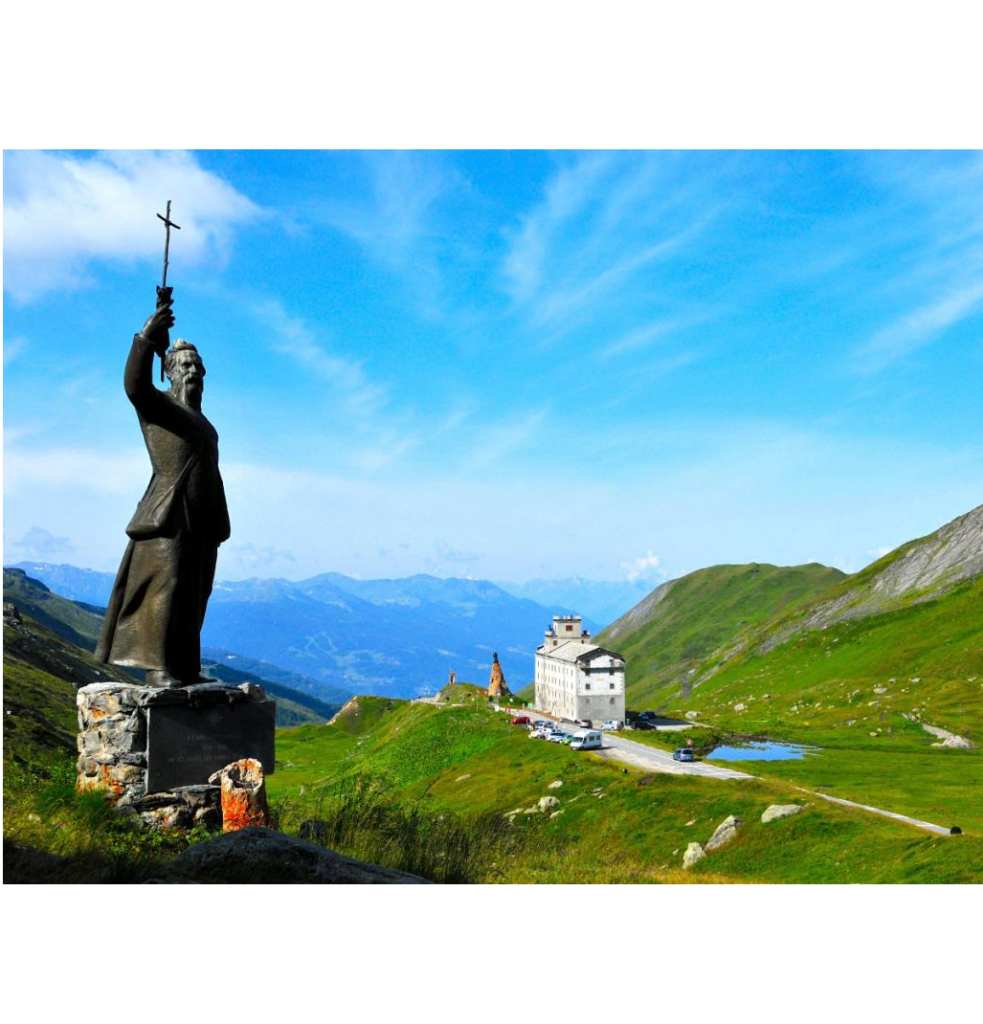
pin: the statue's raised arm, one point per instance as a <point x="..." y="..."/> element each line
<point x="153" y="337"/>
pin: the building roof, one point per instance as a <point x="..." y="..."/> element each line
<point x="573" y="650"/>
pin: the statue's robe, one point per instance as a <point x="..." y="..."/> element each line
<point x="157" y="607"/>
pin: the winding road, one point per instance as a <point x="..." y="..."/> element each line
<point x="639" y="755"/>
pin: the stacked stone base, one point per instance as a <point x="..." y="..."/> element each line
<point x="184" y="807"/>
<point x="159" y="768"/>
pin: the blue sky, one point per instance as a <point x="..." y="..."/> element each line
<point x="506" y="365"/>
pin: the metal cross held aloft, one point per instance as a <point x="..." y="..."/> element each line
<point x="168" y="224"/>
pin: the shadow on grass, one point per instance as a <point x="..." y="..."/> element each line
<point x="359" y="818"/>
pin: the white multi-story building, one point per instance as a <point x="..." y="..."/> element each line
<point x="577" y="679"/>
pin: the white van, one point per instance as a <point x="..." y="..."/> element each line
<point x="586" y="739"/>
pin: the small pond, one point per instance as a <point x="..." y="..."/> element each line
<point x="761" y="750"/>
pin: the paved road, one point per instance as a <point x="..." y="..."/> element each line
<point x="939" y="830"/>
<point x="617" y="747"/>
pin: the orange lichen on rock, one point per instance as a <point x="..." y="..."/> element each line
<point x="243" y="794"/>
<point x="497" y="686"/>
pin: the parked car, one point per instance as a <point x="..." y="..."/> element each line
<point x="585" y="723"/>
<point x="646" y="715"/>
<point x="538" y="734"/>
<point x="683" y="754"/>
<point x="520" y="720"/>
<point x="642" y="724"/>
<point x="612" y="724"/>
<point x="587" y="739"/>
<point x="558" y="737"/>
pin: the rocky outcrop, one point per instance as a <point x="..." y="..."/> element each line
<point x="948" y="739"/>
<point x="920" y="570"/>
<point x="243" y="788"/>
<point x="694" y="853"/>
<point x="184" y="808"/>
<point x="724" y="832"/>
<point x="547" y="803"/>
<point x="776" y="811"/>
<point x="261" y="855"/>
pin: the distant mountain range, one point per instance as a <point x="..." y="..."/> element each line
<point x="600" y="602"/>
<point x="48" y="646"/>
<point x="396" y="638"/>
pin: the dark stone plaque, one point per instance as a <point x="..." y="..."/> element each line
<point x="185" y="744"/>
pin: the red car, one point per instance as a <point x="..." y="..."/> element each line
<point x="520" y="720"/>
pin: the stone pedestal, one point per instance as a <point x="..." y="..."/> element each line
<point x="154" y="749"/>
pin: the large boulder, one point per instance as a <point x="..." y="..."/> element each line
<point x="260" y="855"/>
<point x="547" y="803"/>
<point x="694" y="852"/>
<point x="777" y="811"/>
<point x="724" y="832"/>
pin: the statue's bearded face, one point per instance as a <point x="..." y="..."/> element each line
<point x="187" y="375"/>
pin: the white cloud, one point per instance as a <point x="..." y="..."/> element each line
<point x="86" y="469"/>
<point x="400" y="223"/>
<point x="566" y="195"/>
<point x="64" y="214"/>
<point x="643" y="568"/>
<point x="494" y="443"/>
<point x="13" y="348"/>
<point x="44" y="546"/>
<point x="589" y="248"/>
<point x="919" y="327"/>
<point x="293" y="337"/>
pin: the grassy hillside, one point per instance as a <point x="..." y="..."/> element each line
<point x="78" y="623"/>
<point x="41" y="671"/>
<point x="669" y="635"/>
<point x="863" y="689"/>
<point x="432" y="789"/>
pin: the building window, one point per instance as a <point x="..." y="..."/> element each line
<point x="611" y="701"/>
<point x="610" y="686"/>
<point x="611" y="669"/>
<point x="587" y="686"/>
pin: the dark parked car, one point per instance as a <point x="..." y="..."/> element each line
<point x="642" y="723"/>
<point x="647" y="715"/>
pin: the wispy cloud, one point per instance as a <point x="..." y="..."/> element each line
<point x="63" y="215"/>
<point x="940" y="197"/>
<point x="401" y="222"/>
<point x="13" y="348"/>
<point x="588" y="249"/>
<point x="495" y="443"/>
<point x="567" y="194"/>
<point x="292" y="336"/>
<point x="639" y="338"/>
<point x="918" y="327"/>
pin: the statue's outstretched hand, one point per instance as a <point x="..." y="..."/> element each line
<point x="158" y="325"/>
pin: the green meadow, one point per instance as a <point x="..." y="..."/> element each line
<point x="387" y="778"/>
